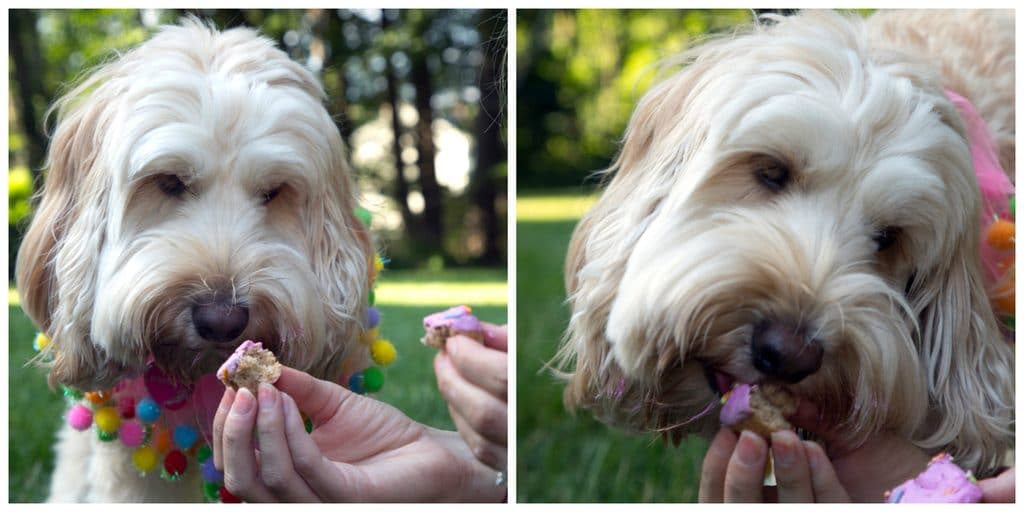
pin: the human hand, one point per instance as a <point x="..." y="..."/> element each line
<point x="866" y="471"/>
<point x="473" y="378"/>
<point x="998" y="489"/>
<point x="733" y="470"/>
<point x="361" y="450"/>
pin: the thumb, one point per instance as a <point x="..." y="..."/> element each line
<point x="319" y="399"/>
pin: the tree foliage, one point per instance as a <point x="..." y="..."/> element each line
<point x="432" y="59"/>
<point x="580" y="72"/>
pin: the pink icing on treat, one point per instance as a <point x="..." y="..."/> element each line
<point x="231" y="364"/>
<point x="942" y="482"/>
<point x="458" y="318"/>
<point x="736" y="406"/>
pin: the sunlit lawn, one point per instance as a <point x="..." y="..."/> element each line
<point x="403" y="297"/>
<point x="562" y="458"/>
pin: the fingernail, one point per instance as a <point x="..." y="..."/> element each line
<point x="782" y="449"/>
<point x="451" y="345"/>
<point x="812" y="460"/>
<point x="288" y="414"/>
<point x="747" y="449"/>
<point x="243" y="402"/>
<point x="488" y="333"/>
<point x="267" y="396"/>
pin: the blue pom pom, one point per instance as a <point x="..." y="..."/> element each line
<point x="147" y="410"/>
<point x="185" y="436"/>
<point x="372" y="318"/>
<point x="355" y="383"/>
<point x="210" y="473"/>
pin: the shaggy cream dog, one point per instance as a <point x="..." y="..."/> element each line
<point x="798" y="204"/>
<point x="197" y="195"/>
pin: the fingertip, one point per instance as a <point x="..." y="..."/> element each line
<point x="227" y="397"/>
<point x="815" y="454"/>
<point x="243" y="403"/>
<point x="496" y="336"/>
<point x="751" y="449"/>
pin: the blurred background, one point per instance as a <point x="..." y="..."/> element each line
<point x="580" y="72"/>
<point x="419" y="98"/>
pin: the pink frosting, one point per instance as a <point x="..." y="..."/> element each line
<point x="942" y="482"/>
<point x="737" y="405"/>
<point x="457" y="318"/>
<point x="231" y="364"/>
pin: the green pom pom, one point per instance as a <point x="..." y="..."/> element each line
<point x="364" y="216"/>
<point x="373" y="379"/>
<point x="373" y="297"/>
<point x="203" y="453"/>
<point x="71" y="393"/>
<point x="1013" y="206"/>
<point x="212" y="491"/>
<point x="309" y="426"/>
<point x="106" y="437"/>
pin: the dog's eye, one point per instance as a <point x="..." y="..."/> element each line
<point x="171" y="185"/>
<point x="771" y="173"/>
<point x="886" y="237"/>
<point x="268" y="195"/>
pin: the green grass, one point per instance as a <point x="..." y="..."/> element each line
<point x="403" y="297"/>
<point x="562" y="458"/>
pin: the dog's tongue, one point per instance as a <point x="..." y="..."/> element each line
<point x="164" y="390"/>
<point x="724" y="381"/>
<point x="206" y="395"/>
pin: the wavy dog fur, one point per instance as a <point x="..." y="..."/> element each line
<point x="112" y="262"/>
<point x="686" y="250"/>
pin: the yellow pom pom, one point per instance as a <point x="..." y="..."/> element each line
<point x="41" y="342"/>
<point x="107" y="419"/>
<point x="370" y="335"/>
<point x="144" y="459"/>
<point x="378" y="264"/>
<point x="383" y="352"/>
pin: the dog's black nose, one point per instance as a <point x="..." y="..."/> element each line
<point x="219" y="321"/>
<point x="784" y="352"/>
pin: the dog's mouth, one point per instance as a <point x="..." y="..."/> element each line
<point x="186" y="364"/>
<point x="719" y="381"/>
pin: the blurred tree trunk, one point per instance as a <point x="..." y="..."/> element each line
<point x="490" y="151"/>
<point x="327" y="30"/>
<point x="401" y="190"/>
<point x="433" y="220"/>
<point x="26" y="57"/>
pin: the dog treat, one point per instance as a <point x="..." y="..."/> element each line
<point x="941" y="482"/>
<point x="448" y="323"/>
<point x="250" y="365"/>
<point x="760" y="409"/>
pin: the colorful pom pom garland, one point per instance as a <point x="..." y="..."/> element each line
<point x="157" y="419"/>
<point x="154" y="416"/>
<point x="382" y="351"/>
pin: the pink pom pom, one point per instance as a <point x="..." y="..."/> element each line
<point x="80" y="417"/>
<point x="131" y="434"/>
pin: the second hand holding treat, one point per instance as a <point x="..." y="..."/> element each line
<point x="448" y="323"/>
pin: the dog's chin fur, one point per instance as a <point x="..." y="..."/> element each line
<point x="115" y="259"/>
<point x="687" y="249"/>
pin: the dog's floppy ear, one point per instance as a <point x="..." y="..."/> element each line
<point x="59" y="255"/>
<point x="661" y="136"/>
<point x="342" y="254"/>
<point x="968" y="363"/>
